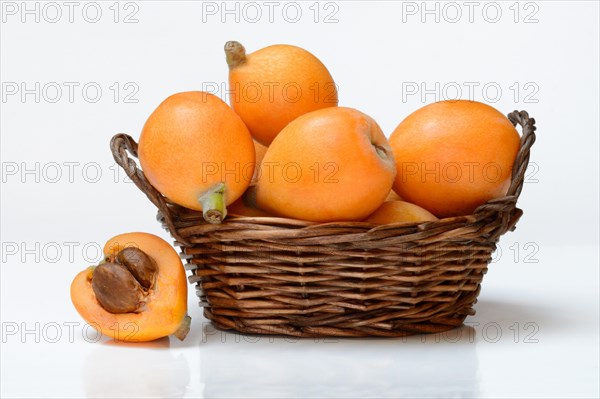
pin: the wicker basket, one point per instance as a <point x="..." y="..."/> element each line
<point x="279" y="276"/>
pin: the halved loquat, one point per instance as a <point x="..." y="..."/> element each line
<point x="138" y="293"/>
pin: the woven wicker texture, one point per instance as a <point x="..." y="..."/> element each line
<point x="352" y="279"/>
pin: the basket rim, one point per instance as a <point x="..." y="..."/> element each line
<point x="171" y="214"/>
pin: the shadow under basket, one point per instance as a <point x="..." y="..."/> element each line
<point x="267" y="275"/>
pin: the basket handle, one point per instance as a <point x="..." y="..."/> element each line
<point x="121" y="144"/>
<point x="522" y="160"/>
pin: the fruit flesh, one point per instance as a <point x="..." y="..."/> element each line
<point x="166" y="305"/>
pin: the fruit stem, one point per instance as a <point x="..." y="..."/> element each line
<point x="213" y="204"/>
<point x="184" y="328"/>
<point x="235" y="54"/>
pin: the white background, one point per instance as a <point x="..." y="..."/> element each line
<point x="541" y="293"/>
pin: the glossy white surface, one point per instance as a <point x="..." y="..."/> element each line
<point x="536" y="330"/>
<point x="535" y="335"/>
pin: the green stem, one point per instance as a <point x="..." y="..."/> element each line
<point x="213" y="204"/>
<point x="235" y="54"/>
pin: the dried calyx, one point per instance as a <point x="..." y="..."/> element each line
<point x="121" y="284"/>
<point x="235" y="54"/>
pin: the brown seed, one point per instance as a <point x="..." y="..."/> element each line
<point x="116" y="289"/>
<point x="139" y="264"/>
